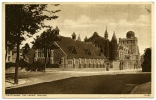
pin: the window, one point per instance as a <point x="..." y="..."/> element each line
<point x="73" y="50"/>
<point x="8" y="52"/>
<point x="87" y="51"/>
<point x="69" y="62"/>
<point x="9" y="58"/>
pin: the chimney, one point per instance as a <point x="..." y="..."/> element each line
<point x="74" y="36"/>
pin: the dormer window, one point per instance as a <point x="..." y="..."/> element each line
<point x="73" y="50"/>
<point x="87" y="51"/>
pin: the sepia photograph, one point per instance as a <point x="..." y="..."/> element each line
<point x="78" y="50"/>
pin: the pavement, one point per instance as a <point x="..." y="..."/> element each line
<point x="140" y="89"/>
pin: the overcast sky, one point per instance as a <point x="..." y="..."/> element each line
<point x="85" y="19"/>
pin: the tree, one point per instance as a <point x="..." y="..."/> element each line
<point x="146" y="65"/>
<point x="46" y="43"/>
<point x="26" y="48"/>
<point x="25" y="19"/>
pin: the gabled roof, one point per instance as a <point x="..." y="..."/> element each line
<point x="67" y="44"/>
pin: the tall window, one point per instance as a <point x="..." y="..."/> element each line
<point x="8" y="52"/>
<point x="9" y="58"/>
<point x="69" y="62"/>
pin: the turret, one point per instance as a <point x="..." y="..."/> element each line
<point x="106" y="33"/>
<point x="74" y="36"/>
<point x="114" y="47"/>
<point x="85" y="39"/>
<point x="114" y="39"/>
<point x="57" y="30"/>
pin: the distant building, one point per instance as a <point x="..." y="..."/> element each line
<point x="11" y="55"/>
<point x="106" y="47"/>
<point x="125" y="52"/>
<point x="131" y="42"/>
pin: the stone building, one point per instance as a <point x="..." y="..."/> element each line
<point x="78" y="54"/>
<point x="12" y="54"/>
<point x="72" y="53"/>
<point x="131" y="42"/>
<point x="122" y="52"/>
<point x="125" y="52"/>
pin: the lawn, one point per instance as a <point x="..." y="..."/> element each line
<point x="98" y="84"/>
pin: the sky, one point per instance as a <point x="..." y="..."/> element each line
<point x="85" y="19"/>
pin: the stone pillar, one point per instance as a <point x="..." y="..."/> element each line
<point x="88" y="63"/>
<point x="73" y="62"/>
<point x="97" y="66"/>
<point x="84" y="63"/>
<point x="36" y="55"/>
<point x="52" y="57"/>
<point x="79" y="62"/>
<point x="93" y="63"/>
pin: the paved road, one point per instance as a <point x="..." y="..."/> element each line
<point x="118" y="81"/>
<point x="88" y="83"/>
<point x="29" y="78"/>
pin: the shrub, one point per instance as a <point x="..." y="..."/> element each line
<point x="9" y="64"/>
<point x="53" y="66"/>
<point x="23" y="64"/>
<point x="36" y="66"/>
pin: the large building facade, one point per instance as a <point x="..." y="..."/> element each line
<point x="73" y="53"/>
<point x="94" y="52"/>
<point x="132" y="58"/>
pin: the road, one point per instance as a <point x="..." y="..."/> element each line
<point x="73" y="82"/>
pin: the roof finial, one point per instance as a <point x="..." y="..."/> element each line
<point x="74" y="36"/>
<point x="114" y="37"/>
<point x="79" y="39"/>
<point x="106" y="33"/>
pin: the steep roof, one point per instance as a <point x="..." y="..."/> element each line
<point x="114" y="37"/>
<point x="68" y="44"/>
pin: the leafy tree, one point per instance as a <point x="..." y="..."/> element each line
<point x="25" y="19"/>
<point x="26" y="48"/>
<point x="146" y="65"/>
<point x="46" y="43"/>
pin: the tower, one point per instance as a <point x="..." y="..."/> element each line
<point x="57" y="30"/>
<point x="113" y="47"/>
<point x="131" y="42"/>
<point x="106" y="33"/>
<point x="106" y="44"/>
